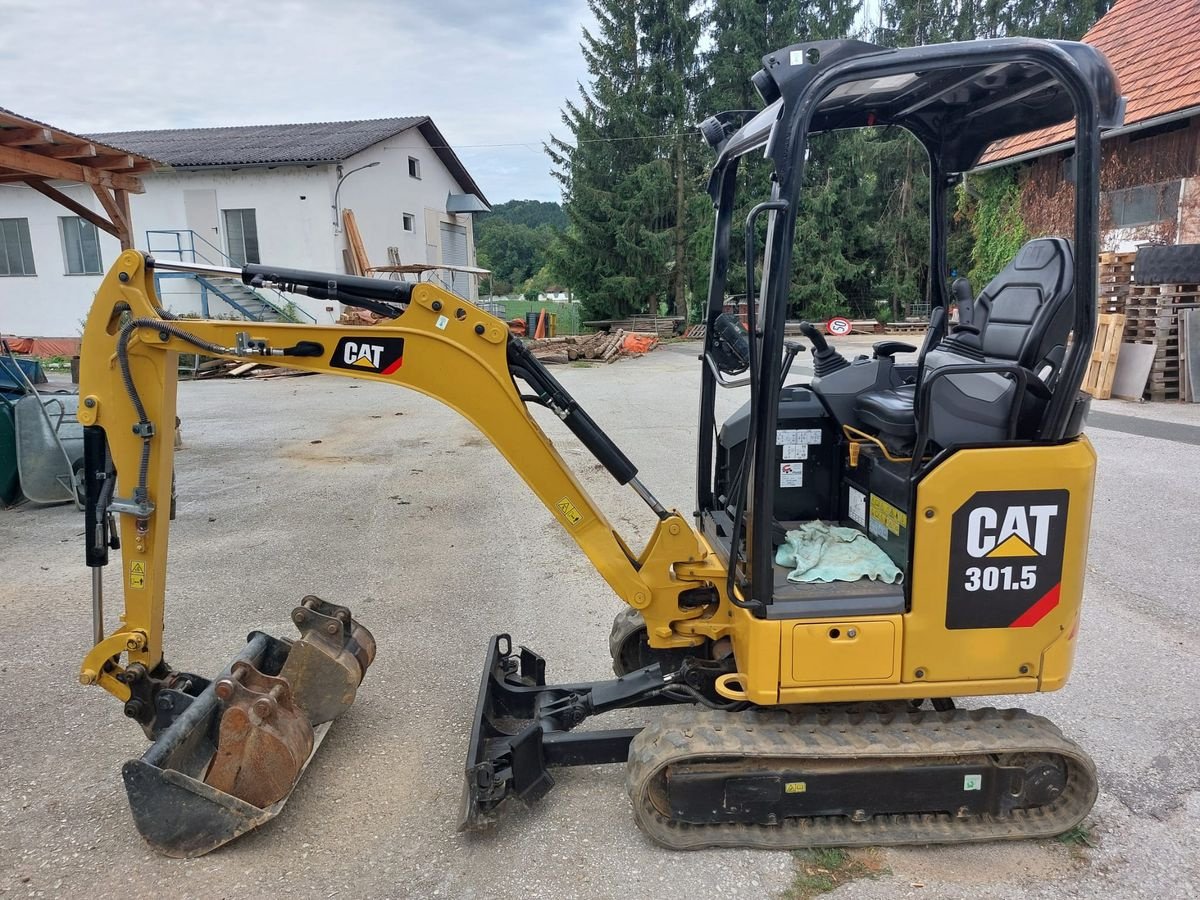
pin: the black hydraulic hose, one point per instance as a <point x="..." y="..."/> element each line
<point x="144" y="426"/>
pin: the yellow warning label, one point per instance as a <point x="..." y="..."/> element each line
<point x="137" y="573"/>
<point x="795" y="787"/>
<point x="887" y="515"/>
<point x="570" y="513"/>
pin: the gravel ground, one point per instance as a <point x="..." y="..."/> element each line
<point x="405" y="513"/>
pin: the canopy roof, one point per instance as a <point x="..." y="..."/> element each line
<point x="957" y="98"/>
<point x="34" y="153"/>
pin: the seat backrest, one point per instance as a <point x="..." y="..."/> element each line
<point x="1027" y="310"/>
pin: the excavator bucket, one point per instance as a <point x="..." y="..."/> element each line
<point x="230" y="752"/>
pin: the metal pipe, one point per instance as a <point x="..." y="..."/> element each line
<point x="651" y="500"/>
<point x="208" y="268"/>
<point x="97" y="604"/>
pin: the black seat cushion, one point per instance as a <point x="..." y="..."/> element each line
<point x="890" y="412"/>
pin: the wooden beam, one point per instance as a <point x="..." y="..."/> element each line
<point x="78" y="208"/>
<point x="16" y="137"/>
<point x="68" y="151"/>
<point x="112" y="161"/>
<point x="122" y="198"/>
<point x="45" y="167"/>
<point x="111" y="207"/>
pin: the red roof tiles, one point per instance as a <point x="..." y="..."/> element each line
<point x="1155" y="47"/>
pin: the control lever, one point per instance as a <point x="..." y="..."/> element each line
<point x="826" y="360"/>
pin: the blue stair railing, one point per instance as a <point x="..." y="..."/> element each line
<point x="181" y="244"/>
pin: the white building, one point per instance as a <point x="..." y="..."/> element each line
<point x="245" y="194"/>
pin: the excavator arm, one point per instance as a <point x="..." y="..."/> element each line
<point x="439" y="344"/>
<point x="434" y="342"/>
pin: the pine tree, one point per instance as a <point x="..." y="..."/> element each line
<point x="629" y="176"/>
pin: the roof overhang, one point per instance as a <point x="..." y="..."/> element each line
<point x="1028" y="155"/>
<point x="34" y="153"/>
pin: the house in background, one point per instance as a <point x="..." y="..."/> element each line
<point x="267" y="193"/>
<point x="1150" y="172"/>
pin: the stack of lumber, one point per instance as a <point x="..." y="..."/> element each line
<point x="228" y="368"/>
<point x="1115" y="282"/>
<point x="1152" y="315"/>
<point x="601" y="347"/>
<point x="352" y="315"/>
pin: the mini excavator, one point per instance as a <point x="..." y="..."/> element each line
<point x="801" y="714"/>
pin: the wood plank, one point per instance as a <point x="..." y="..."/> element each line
<point x="23" y="137"/>
<point x="112" y="161"/>
<point x="45" y="167"/>
<point x="67" y="151"/>
<point x="122" y="200"/>
<point x="354" y="238"/>
<point x="111" y="207"/>
<point x="1103" y="365"/>
<point x="78" y="208"/>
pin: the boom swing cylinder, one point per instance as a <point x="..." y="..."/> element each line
<point x="987" y="522"/>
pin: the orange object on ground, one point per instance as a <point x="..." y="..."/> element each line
<point x="540" y="331"/>
<point x="639" y="343"/>
<point x="40" y="346"/>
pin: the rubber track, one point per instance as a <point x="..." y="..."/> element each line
<point x="695" y="734"/>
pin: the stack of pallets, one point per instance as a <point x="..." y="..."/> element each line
<point x="1152" y="317"/>
<point x="1116" y="279"/>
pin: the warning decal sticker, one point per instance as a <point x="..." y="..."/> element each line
<point x="570" y="513"/>
<point x="1006" y="558"/>
<point x="137" y="574"/>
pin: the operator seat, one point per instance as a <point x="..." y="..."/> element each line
<point x="1021" y="318"/>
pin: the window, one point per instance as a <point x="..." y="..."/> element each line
<point x="410" y="224"/>
<point x="16" y="252"/>
<point x="81" y="246"/>
<point x="241" y="236"/>
<point x="1144" y="205"/>
<point x="414" y="167"/>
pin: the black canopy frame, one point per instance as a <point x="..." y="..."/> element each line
<point x="956" y="99"/>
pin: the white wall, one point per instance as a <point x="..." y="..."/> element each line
<point x="380" y="196"/>
<point x="52" y="303"/>
<point x="296" y="228"/>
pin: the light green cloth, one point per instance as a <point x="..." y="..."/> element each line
<point x="819" y="552"/>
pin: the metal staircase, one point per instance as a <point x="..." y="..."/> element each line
<point x="245" y="301"/>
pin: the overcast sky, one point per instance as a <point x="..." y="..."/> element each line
<point x="488" y="73"/>
<point x="491" y="73"/>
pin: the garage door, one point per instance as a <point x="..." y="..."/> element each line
<point x="454" y="253"/>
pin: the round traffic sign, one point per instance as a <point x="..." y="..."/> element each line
<point x="838" y="326"/>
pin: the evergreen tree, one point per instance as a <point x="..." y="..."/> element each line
<point x="629" y="177"/>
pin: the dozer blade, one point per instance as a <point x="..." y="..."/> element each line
<point x="232" y="756"/>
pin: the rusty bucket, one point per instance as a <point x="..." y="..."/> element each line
<point x="234" y="752"/>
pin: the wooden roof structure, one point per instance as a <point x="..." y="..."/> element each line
<point x="34" y="153"/>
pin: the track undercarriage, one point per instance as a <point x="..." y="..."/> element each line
<point x="847" y="775"/>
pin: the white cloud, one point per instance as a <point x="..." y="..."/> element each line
<point x="487" y="73"/>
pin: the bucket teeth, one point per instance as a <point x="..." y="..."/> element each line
<point x="327" y="662"/>
<point x="265" y="738"/>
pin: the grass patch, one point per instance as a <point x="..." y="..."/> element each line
<point x="582" y="363"/>
<point x="1079" y="840"/>
<point x="824" y="869"/>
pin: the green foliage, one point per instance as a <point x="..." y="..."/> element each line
<point x="996" y="223"/>
<point x="514" y="240"/>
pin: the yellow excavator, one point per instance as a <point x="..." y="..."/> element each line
<point x="805" y="711"/>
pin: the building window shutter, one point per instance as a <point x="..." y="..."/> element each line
<point x="81" y="246"/>
<point x="241" y="235"/>
<point x="16" y="250"/>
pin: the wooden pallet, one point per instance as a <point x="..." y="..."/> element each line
<point x="695" y="332"/>
<point x="1103" y="364"/>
